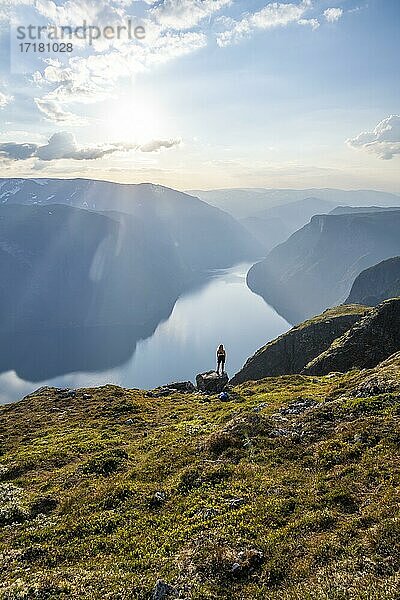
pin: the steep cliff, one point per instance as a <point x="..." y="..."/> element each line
<point x="370" y="341"/>
<point x="290" y="352"/>
<point x="378" y="283"/>
<point x="316" y="267"/>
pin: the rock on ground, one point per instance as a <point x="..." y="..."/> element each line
<point x="211" y="382"/>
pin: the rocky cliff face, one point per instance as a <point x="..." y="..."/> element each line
<point x="290" y="352"/>
<point x="371" y="340"/>
<point x="316" y="267"/>
<point x="376" y="284"/>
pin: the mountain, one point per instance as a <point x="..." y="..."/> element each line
<point x="274" y="225"/>
<point x="347" y="210"/>
<point x="378" y="283"/>
<point x="85" y="286"/>
<point x="368" y="342"/>
<point x="78" y="285"/>
<point x="290" y="352"/>
<point x="242" y="203"/>
<point x="70" y="267"/>
<point x="185" y="219"/>
<point x="269" y="232"/>
<point x="316" y="267"/>
<point x="289" y="489"/>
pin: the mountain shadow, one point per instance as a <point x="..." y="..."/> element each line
<point x="316" y="267"/>
<point x="80" y="288"/>
<point x="378" y="283"/>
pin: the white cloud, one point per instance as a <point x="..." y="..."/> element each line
<point x="93" y="78"/>
<point x="62" y="145"/>
<point x="185" y="14"/>
<point x="275" y="14"/>
<point x="156" y="145"/>
<point x="384" y="140"/>
<point x="4" y="100"/>
<point x="53" y="111"/>
<point x="333" y="14"/>
<point x="313" y="23"/>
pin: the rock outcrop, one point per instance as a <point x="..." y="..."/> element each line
<point x="290" y="352"/>
<point x="376" y="284"/>
<point x="211" y="382"/>
<point x="183" y="387"/>
<point x="371" y="340"/>
<point x="382" y="379"/>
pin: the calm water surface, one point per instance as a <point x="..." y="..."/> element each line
<point x="223" y="310"/>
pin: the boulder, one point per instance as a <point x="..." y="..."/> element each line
<point x="182" y="386"/>
<point x="162" y="590"/>
<point x="211" y="382"/>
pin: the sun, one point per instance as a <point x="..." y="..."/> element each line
<point x="134" y="119"/>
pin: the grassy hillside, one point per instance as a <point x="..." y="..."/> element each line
<point x="290" y="490"/>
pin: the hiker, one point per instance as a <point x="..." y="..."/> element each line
<point x="221" y="358"/>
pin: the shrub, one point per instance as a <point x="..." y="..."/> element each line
<point x="105" y="463"/>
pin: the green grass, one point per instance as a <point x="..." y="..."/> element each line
<point x="337" y="311"/>
<point x="305" y="504"/>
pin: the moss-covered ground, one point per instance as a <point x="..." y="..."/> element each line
<point x="289" y="491"/>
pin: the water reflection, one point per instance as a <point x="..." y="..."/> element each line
<point x="223" y="310"/>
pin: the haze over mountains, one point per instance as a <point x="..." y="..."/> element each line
<point x="181" y="217"/>
<point x="242" y="203"/>
<point x="316" y="267"/>
<point x="98" y="265"/>
<point x="271" y="216"/>
<point x="81" y="254"/>
<point x="347" y="210"/>
<point x="273" y="226"/>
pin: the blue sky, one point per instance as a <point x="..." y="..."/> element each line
<point x="219" y="94"/>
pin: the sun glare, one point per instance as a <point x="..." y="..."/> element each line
<point x="135" y="120"/>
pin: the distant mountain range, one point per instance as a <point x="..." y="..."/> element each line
<point x="206" y="237"/>
<point x="316" y="267"/>
<point x="348" y="210"/>
<point x="243" y="203"/>
<point x="273" y="226"/>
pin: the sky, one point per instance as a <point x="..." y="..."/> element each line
<point x="214" y="94"/>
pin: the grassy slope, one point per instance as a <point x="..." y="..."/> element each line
<point x="317" y="493"/>
<point x="330" y="313"/>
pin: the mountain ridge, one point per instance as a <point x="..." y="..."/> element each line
<point x="242" y="203"/>
<point x="316" y="267"/>
<point x="369" y="341"/>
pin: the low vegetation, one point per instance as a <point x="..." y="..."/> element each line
<point x="288" y="491"/>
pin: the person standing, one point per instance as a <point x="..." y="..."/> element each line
<point x="221" y="359"/>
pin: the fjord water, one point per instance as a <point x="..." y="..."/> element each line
<point x="221" y="310"/>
